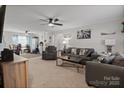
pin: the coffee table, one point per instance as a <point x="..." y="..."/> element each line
<point x="65" y="59"/>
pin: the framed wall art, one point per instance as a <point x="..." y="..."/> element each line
<point x="84" y="34"/>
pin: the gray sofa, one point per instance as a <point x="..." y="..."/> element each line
<point x="81" y="59"/>
<point x="105" y="75"/>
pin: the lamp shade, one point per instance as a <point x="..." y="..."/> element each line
<point x="64" y="42"/>
<point x="110" y="42"/>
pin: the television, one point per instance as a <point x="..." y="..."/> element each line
<point x="2" y="17"/>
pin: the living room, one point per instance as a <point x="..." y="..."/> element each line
<point x="40" y="28"/>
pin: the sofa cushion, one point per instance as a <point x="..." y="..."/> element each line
<point x="82" y="51"/>
<point x="69" y="50"/>
<point x="73" y="51"/>
<point x="78" y="51"/>
<point x="118" y="63"/>
<point x="89" y="52"/>
<point x="50" y="48"/>
<point x="108" y="59"/>
<point x="118" y="57"/>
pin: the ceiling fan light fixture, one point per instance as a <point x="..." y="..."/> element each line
<point x="50" y="24"/>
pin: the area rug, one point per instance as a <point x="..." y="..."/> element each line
<point x="29" y="55"/>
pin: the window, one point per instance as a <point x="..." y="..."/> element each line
<point x="22" y="40"/>
<point x="19" y="39"/>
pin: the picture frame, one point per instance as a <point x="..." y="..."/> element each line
<point x="84" y="34"/>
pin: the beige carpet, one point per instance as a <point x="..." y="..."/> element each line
<point x="29" y="55"/>
<point x="45" y="74"/>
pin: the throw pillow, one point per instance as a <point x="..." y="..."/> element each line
<point x="77" y="51"/>
<point x="82" y="51"/>
<point x="100" y="59"/>
<point x="108" y="59"/>
<point x="74" y="51"/>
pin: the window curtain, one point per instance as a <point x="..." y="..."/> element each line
<point x="15" y="39"/>
<point x="24" y="40"/>
<point x="29" y="41"/>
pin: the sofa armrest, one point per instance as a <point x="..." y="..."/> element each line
<point x="104" y="75"/>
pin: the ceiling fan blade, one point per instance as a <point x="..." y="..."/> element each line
<point x="58" y="24"/>
<point x="56" y="19"/>
<point x="44" y="20"/>
<point x="44" y="24"/>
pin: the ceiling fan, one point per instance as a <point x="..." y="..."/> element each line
<point x="51" y="22"/>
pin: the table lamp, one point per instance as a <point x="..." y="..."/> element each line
<point x="109" y="43"/>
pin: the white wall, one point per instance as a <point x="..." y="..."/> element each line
<point x="6" y="40"/>
<point x="97" y="40"/>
